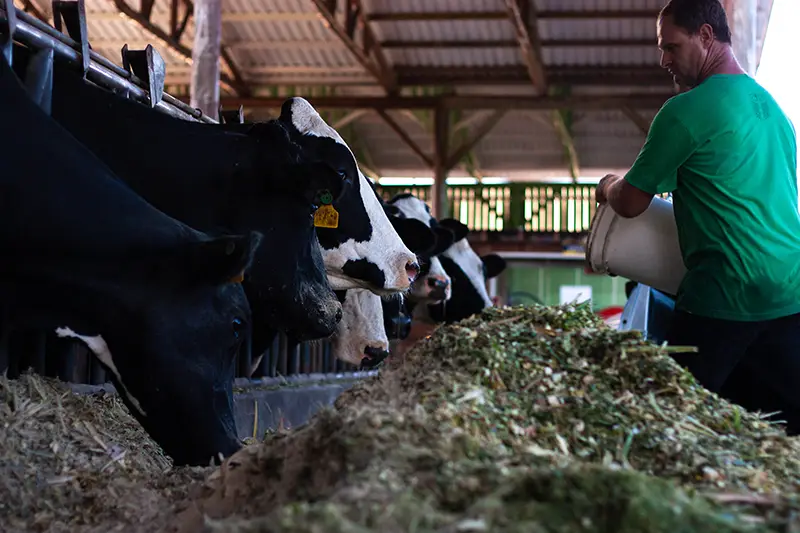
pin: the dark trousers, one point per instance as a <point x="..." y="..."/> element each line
<point x="753" y="364"/>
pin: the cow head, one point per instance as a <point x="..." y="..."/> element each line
<point x="158" y="303"/>
<point x="360" y="338"/>
<point x="469" y="273"/>
<point x="433" y="284"/>
<point x="364" y="251"/>
<point x="288" y="285"/>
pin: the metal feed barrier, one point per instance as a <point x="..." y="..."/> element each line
<point x="142" y="79"/>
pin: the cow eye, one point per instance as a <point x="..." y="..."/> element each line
<point x="238" y="326"/>
<point x="342" y="173"/>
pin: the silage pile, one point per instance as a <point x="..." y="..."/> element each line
<point x="79" y="463"/>
<point x="534" y="419"/>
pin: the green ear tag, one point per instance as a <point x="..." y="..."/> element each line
<point x="326" y="216"/>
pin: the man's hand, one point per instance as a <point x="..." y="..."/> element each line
<point x="601" y="192"/>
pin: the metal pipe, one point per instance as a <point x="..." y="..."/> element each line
<point x="36" y="34"/>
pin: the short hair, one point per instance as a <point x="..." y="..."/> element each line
<point x="691" y="14"/>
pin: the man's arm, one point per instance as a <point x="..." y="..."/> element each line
<point x="625" y="199"/>
<point x="669" y="144"/>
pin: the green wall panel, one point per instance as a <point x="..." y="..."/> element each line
<point x="544" y="284"/>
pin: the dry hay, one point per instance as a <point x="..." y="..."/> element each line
<point x="529" y="419"/>
<point x="79" y="463"/>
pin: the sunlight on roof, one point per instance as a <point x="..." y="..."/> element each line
<point x="777" y="71"/>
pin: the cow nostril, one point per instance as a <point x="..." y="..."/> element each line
<point x="436" y="283"/>
<point x="412" y="269"/>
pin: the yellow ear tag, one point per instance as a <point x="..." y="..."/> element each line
<point x="237" y="279"/>
<point x="326" y="217"/>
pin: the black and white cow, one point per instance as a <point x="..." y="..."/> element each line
<point x="219" y="180"/>
<point x="153" y="299"/>
<point x="433" y="284"/>
<point x="360" y="338"/>
<point x="365" y="251"/>
<point x="468" y="273"/>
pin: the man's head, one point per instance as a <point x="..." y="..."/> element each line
<point x="689" y="32"/>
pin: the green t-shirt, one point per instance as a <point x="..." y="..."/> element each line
<point x="729" y="155"/>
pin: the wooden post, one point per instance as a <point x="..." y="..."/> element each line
<point x="205" y="56"/>
<point x="743" y="21"/>
<point x="441" y="132"/>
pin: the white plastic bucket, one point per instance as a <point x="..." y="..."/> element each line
<point x="644" y="249"/>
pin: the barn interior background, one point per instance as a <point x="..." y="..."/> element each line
<point x="501" y="113"/>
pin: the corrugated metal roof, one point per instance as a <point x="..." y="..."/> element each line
<point x="285" y="43"/>
<point x="456" y="57"/>
<point x="596" y="5"/>
<point x="411" y="6"/>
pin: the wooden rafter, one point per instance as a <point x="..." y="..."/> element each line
<point x="405" y="137"/>
<point x="511" y="44"/>
<point x="642" y="123"/>
<point x="171" y="39"/>
<point x="29" y="6"/>
<point x="483" y="129"/>
<point x="520" y="12"/>
<point x="501" y="15"/>
<point x="368" y="52"/>
<point x="597" y="102"/>
<point x="564" y="130"/>
<point x="513" y="74"/>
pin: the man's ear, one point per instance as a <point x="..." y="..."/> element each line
<point x="224" y="259"/>
<point x="459" y="229"/>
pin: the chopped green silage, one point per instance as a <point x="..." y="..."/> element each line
<point x="518" y="419"/>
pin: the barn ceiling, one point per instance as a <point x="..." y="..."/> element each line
<point x="378" y="67"/>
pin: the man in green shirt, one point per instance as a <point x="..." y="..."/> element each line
<point x="728" y="153"/>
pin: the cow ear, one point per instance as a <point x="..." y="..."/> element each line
<point x="493" y="265"/>
<point x="459" y="229"/>
<point x="444" y="240"/>
<point x="417" y="236"/>
<point x="318" y="183"/>
<point x="224" y="259"/>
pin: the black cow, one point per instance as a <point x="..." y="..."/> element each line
<point x="365" y="251"/>
<point x="219" y="180"/>
<point x="86" y="257"/>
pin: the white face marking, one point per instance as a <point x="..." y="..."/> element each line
<point x="413" y="207"/>
<point x="99" y="347"/>
<point x="384" y="249"/>
<point x="421" y="291"/>
<point x="361" y="327"/>
<point x="465" y="257"/>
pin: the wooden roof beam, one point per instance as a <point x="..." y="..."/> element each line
<point x="642" y="123"/>
<point x="571" y="75"/>
<point x="405" y="137"/>
<point x="511" y="44"/>
<point x="357" y="36"/>
<point x="592" y="101"/>
<point x="483" y="129"/>
<point x="520" y="12"/>
<point x="502" y="15"/>
<point x="600" y="14"/>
